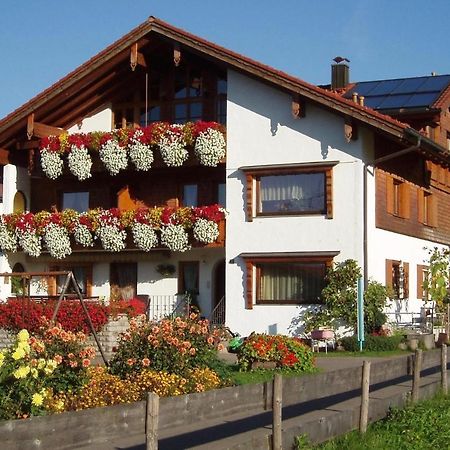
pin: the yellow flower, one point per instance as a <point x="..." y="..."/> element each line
<point x="34" y="372"/>
<point x="2" y="358"/>
<point x="37" y="399"/>
<point x="19" y="353"/>
<point x="23" y="336"/>
<point x="25" y="346"/>
<point x="41" y="363"/>
<point x="21" y="372"/>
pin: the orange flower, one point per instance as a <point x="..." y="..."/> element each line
<point x="145" y="362"/>
<point x="192" y="351"/>
<point x="86" y="362"/>
<point x="58" y="359"/>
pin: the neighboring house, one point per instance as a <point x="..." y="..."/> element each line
<point x="303" y="182"/>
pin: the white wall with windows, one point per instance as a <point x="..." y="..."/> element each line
<point x="262" y="132"/>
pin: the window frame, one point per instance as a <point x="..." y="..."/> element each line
<point x="253" y="275"/>
<point x="427" y="208"/>
<point x="181" y="282"/>
<point x="391" y="266"/>
<point x="84" y="191"/>
<point x="398" y="197"/>
<point x="253" y="175"/>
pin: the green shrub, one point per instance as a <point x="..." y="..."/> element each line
<point x="373" y="343"/>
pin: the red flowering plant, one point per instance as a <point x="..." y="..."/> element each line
<point x="171" y="345"/>
<point x="287" y="352"/>
<point x="19" y="313"/>
<point x="131" y="308"/>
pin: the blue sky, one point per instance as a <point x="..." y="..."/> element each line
<point x="43" y="40"/>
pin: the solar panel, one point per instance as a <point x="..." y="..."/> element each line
<point x="435" y="83"/>
<point x="394" y="101"/>
<point x="385" y="87"/>
<point x="409" y="85"/>
<point x="421" y="99"/>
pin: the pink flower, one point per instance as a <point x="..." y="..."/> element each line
<point x="58" y="359"/>
<point x="192" y="351"/>
<point x="86" y="362"/>
<point x="131" y="361"/>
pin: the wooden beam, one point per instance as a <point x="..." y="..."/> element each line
<point x="176" y="55"/>
<point x="350" y="130"/>
<point x="136" y="57"/>
<point x="298" y="107"/>
<point x="4" y="157"/>
<point x="39" y="129"/>
<point x="27" y="145"/>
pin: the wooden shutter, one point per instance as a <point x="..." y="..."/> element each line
<point x="405" y="207"/>
<point x="249" y="197"/>
<point x="420" y="200"/>
<point x="405" y="280"/>
<point x="388" y="281"/>
<point x="389" y="194"/>
<point x="249" y="285"/>
<point x="433" y="206"/>
<point x="420" y="290"/>
<point x="329" y="193"/>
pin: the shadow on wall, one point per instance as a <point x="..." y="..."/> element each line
<point x="297" y="325"/>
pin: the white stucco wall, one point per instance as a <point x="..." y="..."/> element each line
<point x="101" y="120"/>
<point x="262" y="131"/>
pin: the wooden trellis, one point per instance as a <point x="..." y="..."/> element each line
<point x="70" y="279"/>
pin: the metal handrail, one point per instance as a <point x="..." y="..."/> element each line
<point x="217" y="316"/>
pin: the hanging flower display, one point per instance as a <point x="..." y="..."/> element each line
<point x="140" y="151"/>
<point x="8" y="240"/>
<point x="80" y="162"/>
<point x="210" y="147"/>
<point x="113" y="156"/>
<point x="56" y="239"/>
<point x="177" y="226"/>
<point x="172" y="146"/>
<point x="52" y="164"/>
<point x="175" y="238"/>
<point x="83" y="235"/>
<point x="112" y="238"/>
<point x="144" y="236"/>
<point x="30" y="243"/>
<point x="206" y="231"/>
<point x="173" y="140"/>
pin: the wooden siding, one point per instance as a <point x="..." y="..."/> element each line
<point x="411" y="224"/>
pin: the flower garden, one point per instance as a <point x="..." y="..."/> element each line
<point x="56" y="232"/>
<point x="49" y="369"/>
<point x="118" y="148"/>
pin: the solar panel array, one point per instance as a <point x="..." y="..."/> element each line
<point x="401" y="93"/>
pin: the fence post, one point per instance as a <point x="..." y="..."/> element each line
<point x="416" y="375"/>
<point x="444" y="381"/>
<point x="365" y="385"/>
<point x="277" y="443"/>
<point x="151" y="422"/>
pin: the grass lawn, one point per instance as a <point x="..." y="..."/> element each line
<point x="380" y="354"/>
<point x="421" y="427"/>
<point x="260" y="375"/>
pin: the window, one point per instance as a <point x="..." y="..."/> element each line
<point x="123" y="281"/>
<point x="288" y="190"/>
<point x="397" y="278"/>
<point x="296" y="193"/>
<point x="19" y="202"/>
<point x="190" y="195"/>
<point x="83" y="276"/>
<point x="79" y="201"/>
<point x="188" y="95"/>
<point x="221" y="195"/>
<point x="221" y="101"/>
<point x="398" y="197"/>
<point x="282" y="279"/>
<point x="422" y="277"/>
<point x="188" y="280"/>
<point x="426" y="208"/>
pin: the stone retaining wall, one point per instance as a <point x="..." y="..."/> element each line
<point x="108" y="337"/>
